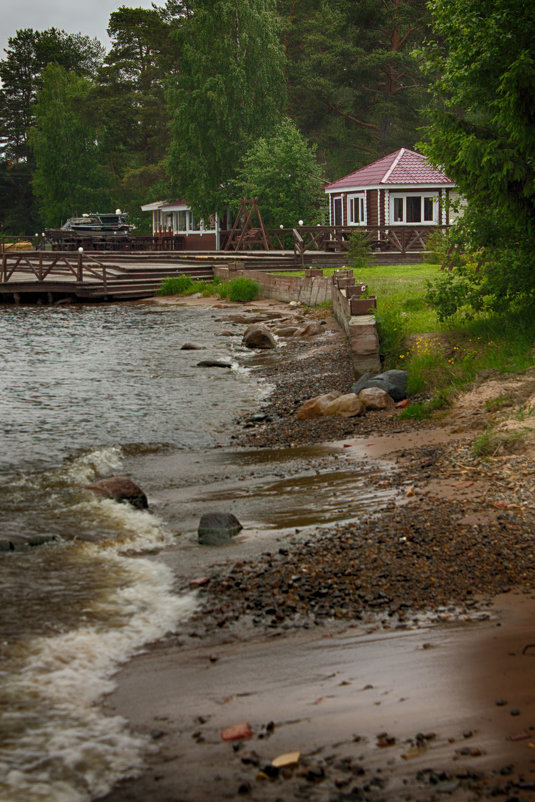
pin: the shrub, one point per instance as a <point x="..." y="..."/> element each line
<point x="391" y="331"/>
<point x="240" y="289"/>
<point x="457" y="292"/>
<point x="177" y="285"/>
<point x="438" y="248"/>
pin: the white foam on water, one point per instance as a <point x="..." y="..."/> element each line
<point x="95" y="463"/>
<point x="61" y="747"/>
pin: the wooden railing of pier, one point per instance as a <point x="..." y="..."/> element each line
<point x="42" y="264"/>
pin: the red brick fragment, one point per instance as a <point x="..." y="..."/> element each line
<point x="242" y="730"/>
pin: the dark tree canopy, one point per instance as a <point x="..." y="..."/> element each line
<point x="194" y="84"/>
<point x="354" y="86"/>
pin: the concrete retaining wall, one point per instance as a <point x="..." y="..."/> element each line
<point x="361" y="330"/>
<point x="311" y="291"/>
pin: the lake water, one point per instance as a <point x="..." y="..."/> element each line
<point x="83" y="390"/>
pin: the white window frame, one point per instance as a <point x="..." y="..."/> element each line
<point x="357" y="200"/>
<point x="402" y="196"/>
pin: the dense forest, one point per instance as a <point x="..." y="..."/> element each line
<point x="206" y="100"/>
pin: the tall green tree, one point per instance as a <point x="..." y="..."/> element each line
<point x="132" y="82"/>
<point x="229" y="92"/>
<point x="482" y="132"/>
<point x="130" y="97"/>
<point x="68" y="176"/>
<point x="282" y="172"/>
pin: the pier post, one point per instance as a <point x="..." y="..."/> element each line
<point x="80" y="268"/>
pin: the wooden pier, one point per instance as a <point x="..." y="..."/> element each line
<point x="54" y="276"/>
<point x="58" y="276"/>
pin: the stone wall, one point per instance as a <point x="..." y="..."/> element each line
<point x="312" y="290"/>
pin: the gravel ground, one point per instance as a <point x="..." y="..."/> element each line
<point x="301" y="376"/>
<point x="427" y="555"/>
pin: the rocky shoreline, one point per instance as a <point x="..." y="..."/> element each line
<point x="457" y="533"/>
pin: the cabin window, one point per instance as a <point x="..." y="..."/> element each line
<point x="414" y="208"/>
<point x="398" y="210"/>
<point x="337" y="211"/>
<point x="356" y="212"/>
<point x="428" y="209"/>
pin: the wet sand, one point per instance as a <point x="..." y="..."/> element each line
<point x="377" y="712"/>
<point x="355" y="705"/>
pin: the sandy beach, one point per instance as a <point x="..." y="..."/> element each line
<point x="375" y="614"/>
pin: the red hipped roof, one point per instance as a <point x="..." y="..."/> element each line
<point x="401" y="168"/>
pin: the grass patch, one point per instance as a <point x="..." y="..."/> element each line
<point x="491" y="443"/>
<point x="500" y="402"/>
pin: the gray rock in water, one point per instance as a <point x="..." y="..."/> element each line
<point x="214" y="363"/>
<point x="192" y="347"/>
<point x="259" y="337"/>
<point x="216" y="528"/>
<point x="394" y="382"/>
<point x="121" y="489"/>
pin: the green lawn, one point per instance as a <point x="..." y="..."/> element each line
<point x="401" y="289"/>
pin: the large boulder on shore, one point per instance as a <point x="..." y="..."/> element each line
<point x="311" y="329"/>
<point x="314" y="407"/>
<point x="376" y="398"/>
<point x="394" y="382"/>
<point x="120" y="489"/>
<point x="214" y="363"/>
<point x="217" y="527"/>
<point x="345" y="406"/>
<point x="331" y="404"/>
<point x="259" y="336"/>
